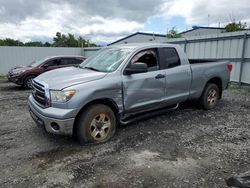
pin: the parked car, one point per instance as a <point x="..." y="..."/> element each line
<point x="121" y="84"/>
<point x="23" y="75"/>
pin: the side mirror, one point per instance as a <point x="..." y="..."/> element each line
<point x="137" y="67"/>
<point x="45" y="66"/>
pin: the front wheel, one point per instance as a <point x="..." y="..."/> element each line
<point x="96" y="124"/>
<point x="210" y="96"/>
<point x="28" y="82"/>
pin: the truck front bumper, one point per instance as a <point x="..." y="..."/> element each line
<point x="52" y="125"/>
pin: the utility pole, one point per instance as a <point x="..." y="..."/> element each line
<point x="82" y="48"/>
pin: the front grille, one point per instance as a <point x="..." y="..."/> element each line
<point x="10" y="74"/>
<point x="38" y="92"/>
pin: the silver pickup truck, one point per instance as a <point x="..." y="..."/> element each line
<point x="121" y="84"/>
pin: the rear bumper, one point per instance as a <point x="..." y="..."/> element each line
<point x="52" y="125"/>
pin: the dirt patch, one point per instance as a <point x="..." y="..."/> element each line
<point x="185" y="148"/>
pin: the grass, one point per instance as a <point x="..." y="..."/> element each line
<point x="3" y="77"/>
<point x="243" y="88"/>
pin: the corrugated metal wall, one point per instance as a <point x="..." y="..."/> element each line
<point x="12" y="56"/>
<point x="234" y="47"/>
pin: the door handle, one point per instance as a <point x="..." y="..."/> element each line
<point x="159" y="76"/>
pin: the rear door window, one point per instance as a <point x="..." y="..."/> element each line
<point x="79" y="61"/>
<point x="70" y="61"/>
<point x="169" y="58"/>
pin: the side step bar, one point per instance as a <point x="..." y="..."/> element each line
<point x="147" y="115"/>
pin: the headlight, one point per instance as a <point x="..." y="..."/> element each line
<point x="61" y="96"/>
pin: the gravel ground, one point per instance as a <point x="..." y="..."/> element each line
<point x="188" y="147"/>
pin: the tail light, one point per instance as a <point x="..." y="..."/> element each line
<point x="229" y="67"/>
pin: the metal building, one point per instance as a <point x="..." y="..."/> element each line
<point x="197" y="31"/>
<point x="140" y="37"/>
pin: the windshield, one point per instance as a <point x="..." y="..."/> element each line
<point x="106" y="60"/>
<point x="37" y="62"/>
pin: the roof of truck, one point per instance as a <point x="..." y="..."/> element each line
<point x="146" y="45"/>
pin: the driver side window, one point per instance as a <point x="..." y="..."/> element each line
<point x="148" y="57"/>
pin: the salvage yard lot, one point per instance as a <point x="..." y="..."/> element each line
<point x="185" y="148"/>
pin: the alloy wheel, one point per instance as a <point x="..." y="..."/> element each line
<point x="212" y="97"/>
<point x="100" y="126"/>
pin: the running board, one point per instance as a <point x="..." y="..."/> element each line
<point x="147" y="115"/>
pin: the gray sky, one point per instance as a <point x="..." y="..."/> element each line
<point x="103" y="21"/>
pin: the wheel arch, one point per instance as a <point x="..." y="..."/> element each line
<point x="28" y="75"/>
<point x="106" y="101"/>
<point x="218" y="82"/>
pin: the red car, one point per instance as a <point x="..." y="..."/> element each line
<point x="23" y="75"/>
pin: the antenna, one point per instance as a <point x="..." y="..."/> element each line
<point x="208" y="20"/>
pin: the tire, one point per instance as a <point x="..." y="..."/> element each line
<point x="96" y="124"/>
<point x="210" y="96"/>
<point x="27" y="82"/>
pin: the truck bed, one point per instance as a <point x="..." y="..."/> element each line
<point x="203" y="70"/>
<point x="196" y="61"/>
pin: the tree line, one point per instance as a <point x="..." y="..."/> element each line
<point x="60" y="40"/>
<point x="231" y="27"/>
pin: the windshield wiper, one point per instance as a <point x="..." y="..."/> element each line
<point x="92" y="68"/>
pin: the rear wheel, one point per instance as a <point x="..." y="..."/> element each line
<point x="28" y="82"/>
<point x="210" y="96"/>
<point x="96" y="124"/>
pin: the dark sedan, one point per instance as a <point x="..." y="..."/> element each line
<point x="23" y="75"/>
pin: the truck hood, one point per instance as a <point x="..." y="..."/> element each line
<point x="64" y="77"/>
